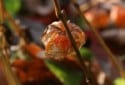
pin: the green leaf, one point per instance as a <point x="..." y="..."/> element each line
<point x="80" y="22"/>
<point x="86" y="53"/>
<point x="119" y="81"/>
<point x="66" y="75"/>
<point x="12" y="6"/>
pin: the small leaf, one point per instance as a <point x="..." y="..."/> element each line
<point x="86" y="53"/>
<point x="12" y="6"/>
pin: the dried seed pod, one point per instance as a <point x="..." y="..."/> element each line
<point x="56" y="41"/>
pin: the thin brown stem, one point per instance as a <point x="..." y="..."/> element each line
<point x="62" y="17"/>
<point x="111" y="57"/>
<point x="57" y="8"/>
<point x="16" y="27"/>
<point x="91" y="76"/>
<point x="5" y="14"/>
<point x="1" y="12"/>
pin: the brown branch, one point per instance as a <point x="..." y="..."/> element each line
<point x="111" y="57"/>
